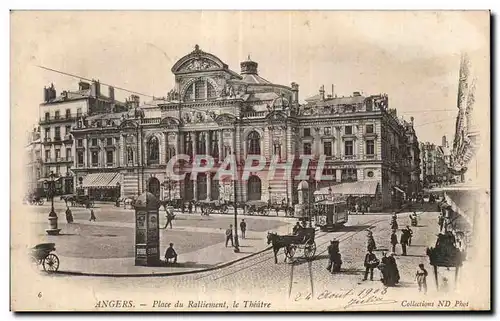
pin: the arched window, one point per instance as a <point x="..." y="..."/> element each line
<point x="200" y="90"/>
<point x="153" y="150"/>
<point x="253" y="141"/>
<point x="130" y="155"/>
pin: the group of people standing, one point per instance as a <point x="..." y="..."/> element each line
<point x="387" y="265"/>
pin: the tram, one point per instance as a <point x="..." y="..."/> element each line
<point x="331" y="212"/>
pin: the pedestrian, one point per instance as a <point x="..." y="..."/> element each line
<point x="334" y="257"/>
<point x="170" y="254"/>
<point x="404" y="241"/>
<point x="92" y="215"/>
<point x="440" y="221"/>
<point x="296" y="228"/>
<point x="394" y="222"/>
<point x="183" y="207"/>
<point x="69" y="215"/>
<point x="190" y="207"/>
<point x="394" y="240"/>
<point x="229" y="235"/>
<point x="410" y="234"/>
<point x="243" y="227"/>
<point x="371" y="242"/>
<point x="169" y="216"/>
<point x="421" y="277"/>
<point x="370" y="263"/>
<point x="393" y="268"/>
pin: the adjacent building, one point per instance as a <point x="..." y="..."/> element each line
<point x="213" y="110"/>
<point x="32" y="162"/>
<point x="58" y="114"/>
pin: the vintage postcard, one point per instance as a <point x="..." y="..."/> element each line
<point x="250" y="160"/>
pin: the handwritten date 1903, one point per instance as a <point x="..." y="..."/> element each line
<point x="343" y="294"/>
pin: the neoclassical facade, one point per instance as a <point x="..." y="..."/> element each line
<point x="215" y="111"/>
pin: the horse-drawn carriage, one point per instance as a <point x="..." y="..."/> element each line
<point x="78" y="200"/>
<point x="33" y="199"/>
<point x="303" y="240"/>
<point x="289" y="210"/>
<point x="209" y="207"/>
<point x="257" y="208"/>
<point x="42" y="255"/>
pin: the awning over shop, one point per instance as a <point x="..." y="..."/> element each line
<point x="100" y="180"/>
<point x="43" y="179"/>
<point x="399" y="190"/>
<point x="355" y="189"/>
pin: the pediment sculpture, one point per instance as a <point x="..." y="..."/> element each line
<point x="199" y="64"/>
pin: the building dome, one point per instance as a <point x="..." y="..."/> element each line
<point x="147" y="201"/>
<point x="249" y="67"/>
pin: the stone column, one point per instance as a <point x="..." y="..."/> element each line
<point x="123" y="152"/>
<point x="339" y="142"/>
<point x="177" y="143"/>
<point x="289" y="152"/>
<point x="209" y="186"/>
<point x="220" y="145"/>
<point x="193" y="142"/>
<point x="207" y="143"/>
<point x="338" y="175"/>
<point x="195" y="189"/>
<point x="163" y="148"/>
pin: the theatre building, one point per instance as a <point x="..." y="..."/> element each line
<point x="213" y="110"/>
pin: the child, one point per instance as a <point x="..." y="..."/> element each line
<point x="421" y="277"/>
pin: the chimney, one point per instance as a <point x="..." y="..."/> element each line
<point x="356" y="94"/>
<point x="322" y="92"/>
<point x="51" y="92"/>
<point x="82" y="85"/>
<point x="111" y="93"/>
<point x="95" y="90"/>
<point x="295" y="92"/>
<point x="444" y="143"/>
<point x="45" y="94"/>
<point x="412" y="119"/>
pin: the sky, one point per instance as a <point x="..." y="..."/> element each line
<point x="414" y="57"/>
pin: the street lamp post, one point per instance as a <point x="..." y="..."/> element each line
<point x="118" y="185"/>
<point x="236" y="242"/>
<point x="50" y="187"/>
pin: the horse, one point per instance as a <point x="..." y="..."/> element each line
<point x="278" y="242"/>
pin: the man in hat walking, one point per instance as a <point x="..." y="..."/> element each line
<point x="394" y="240"/>
<point x="229" y="235"/>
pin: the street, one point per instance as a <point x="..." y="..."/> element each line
<point x="298" y="280"/>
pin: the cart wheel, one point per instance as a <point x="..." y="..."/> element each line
<point x="290" y="251"/>
<point x="224" y="210"/>
<point x="310" y="250"/>
<point x="51" y="263"/>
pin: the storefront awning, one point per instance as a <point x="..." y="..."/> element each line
<point x="43" y="179"/>
<point x="100" y="180"/>
<point x="355" y="189"/>
<point x="399" y="189"/>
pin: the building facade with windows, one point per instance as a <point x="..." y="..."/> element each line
<point x="32" y="163"/>
<point x="59" y="113"/>
<point x="215" y="111"/>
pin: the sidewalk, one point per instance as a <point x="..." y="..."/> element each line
<point x="208" y="258"/>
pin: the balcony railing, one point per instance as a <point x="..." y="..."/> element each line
<point x="60" y="118"/>
<point x="254" y="114"/>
